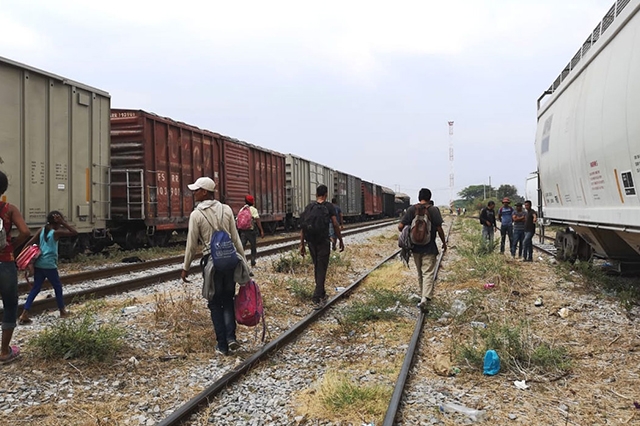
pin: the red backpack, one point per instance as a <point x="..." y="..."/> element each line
<point x="248" y="306"/>
<point x="244" y="220"/>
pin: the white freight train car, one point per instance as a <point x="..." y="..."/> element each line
<point x="54" y="139"/>
<point x="588" y="142"/>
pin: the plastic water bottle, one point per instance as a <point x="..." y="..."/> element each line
<point x="473" y="414"/>
<point x="478" y="324"/>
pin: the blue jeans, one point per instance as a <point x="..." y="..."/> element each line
<point x="487" y="234"/>
<point x="9" y="293"/>
<point x="223" y="314"/>
<point x="39" y="276"/>
<point x="528" y="245"/>
<point x="518" y="238"/>
<point x="504" y="231"/>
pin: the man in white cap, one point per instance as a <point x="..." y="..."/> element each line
<point x="208" y="216"/>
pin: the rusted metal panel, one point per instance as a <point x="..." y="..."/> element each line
<point x="236" y="172"/>
<point x="153" y="160"/>
<point x="371" y="199"/>
<point x="267" y="183"/>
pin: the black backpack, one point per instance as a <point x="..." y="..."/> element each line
<point x="315" y="222"/>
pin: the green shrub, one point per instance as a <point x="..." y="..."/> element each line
<point x="516" y="347"/>
<point x="301" y="289"/>
<point x="80" y="337"/>
<point x="291" y="262"/>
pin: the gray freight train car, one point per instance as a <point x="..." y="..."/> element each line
<point x="302" y="178"/>
<point x="54" y="135"/>
<point x="348" y="192"/>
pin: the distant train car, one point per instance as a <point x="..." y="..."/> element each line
<point x="371" y="200"/>
<point x="54" y="134"/>
<point x="388" y="202"/>
<point x="154" y="158"/>
<point x="402" y="202"/>
<point x="588" y="142"/>
<point x="302" y="179"/>
<point x="348" y="191"/>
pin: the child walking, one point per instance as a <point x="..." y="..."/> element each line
<point x="46" y="265"/>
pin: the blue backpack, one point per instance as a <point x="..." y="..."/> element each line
<point x="223" y="252"/>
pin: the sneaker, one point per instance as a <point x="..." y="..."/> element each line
<point x="319" y="303"/>
<point x="221" y="352"/>
<point x="234" y="345"/>
<point x="424" y="305"/>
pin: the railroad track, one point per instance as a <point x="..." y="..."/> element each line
<point x="401" y="382"/>
<point x="184" y="413"/>
<point x="152" y="279"/>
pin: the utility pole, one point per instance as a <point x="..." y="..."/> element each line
<point x="489" y="186"/>
<point x="450" y="164"/>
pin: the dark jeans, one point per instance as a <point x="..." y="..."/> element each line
<point x="39" y="276"/>
<point x="518" y="238"/>
<point x="9" y="293"/>
<point x="504" y="231"/>
<point x="250" y="236"/>
<point x="528" y="245"/>
<point x="320" y="253"/>
<point x="222" y="309"/>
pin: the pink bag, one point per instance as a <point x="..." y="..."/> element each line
<point x="27" y="257"/>
<point x="248" y="306"/>
<point x="244" y="220"/>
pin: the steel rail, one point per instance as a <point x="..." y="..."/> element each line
<point x="124" y="286"/>
<point x="398" y="390"/>
<point x="193" y="405"/>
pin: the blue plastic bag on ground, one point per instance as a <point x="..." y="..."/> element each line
<point x="491" y="363"/>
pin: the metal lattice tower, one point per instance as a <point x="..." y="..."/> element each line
<point x="451" y="164"/>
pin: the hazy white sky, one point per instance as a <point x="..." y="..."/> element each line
<point x="366" y="87"/>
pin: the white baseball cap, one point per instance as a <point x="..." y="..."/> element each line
<point x="204" y="183"/>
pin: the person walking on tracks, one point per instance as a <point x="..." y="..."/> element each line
<point x="505" y="214"/>
<point x="424" y="216"/>
<point x="529" y="230"/>
<point x="488" y="221"/>
<point x="339" y="219"/>
<point x="46" y="266"/>
<point x="9" y="216"/>
<point x="315" y="230"/>
<point x="248" y="223"/>
<point x="519" y="218"/>
<point x="209" y="217"/>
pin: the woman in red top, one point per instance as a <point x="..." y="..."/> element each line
<point x="9" y="273"/>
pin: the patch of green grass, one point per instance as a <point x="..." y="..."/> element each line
<point x="378" y="305"/>
<point x="291" y="262"/>
<point x="338" y="259"/>
<point x="516" y="346"/>
<point x="343" y="394"/>
<point x="302" y="289"/>
<point x="82" y="337"/>
<point x="385" y="298"/>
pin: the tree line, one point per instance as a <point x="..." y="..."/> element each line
<point x="474" y="197"/>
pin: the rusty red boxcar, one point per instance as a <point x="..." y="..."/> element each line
<point x="371" y="200"/>
<point x="154" y="158"/>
